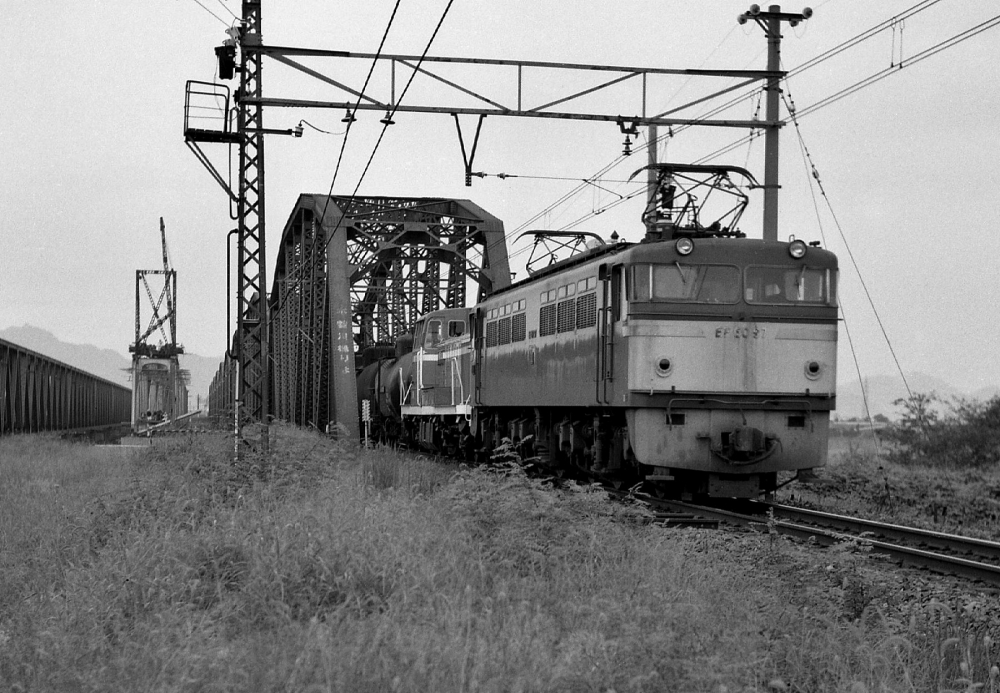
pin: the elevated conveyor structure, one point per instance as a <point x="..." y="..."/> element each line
<point x="353" y="275"/>
<point x="38" y="393"/>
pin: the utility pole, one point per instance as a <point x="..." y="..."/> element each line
<point x="770" y="22"/>
<point x="253" y="377"/>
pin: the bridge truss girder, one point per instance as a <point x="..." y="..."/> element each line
<point x="353" y="274"/>
<point x="300" y="323"/>
<point x="409" y="256"/>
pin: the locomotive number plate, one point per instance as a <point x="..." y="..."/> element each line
<point x="740" y="332"/>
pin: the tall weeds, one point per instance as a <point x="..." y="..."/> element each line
<point x="321" y="567"/>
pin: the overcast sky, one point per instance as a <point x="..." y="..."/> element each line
<point x="93" y="150"/>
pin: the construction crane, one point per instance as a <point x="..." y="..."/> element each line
<point x="159" y="385"/>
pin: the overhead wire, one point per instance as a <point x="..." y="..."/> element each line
<point x="671" y="132"/>
<point x="869" y="80"/>
<point x="224" y="5"/>
<point x="813" y="174"/>
<point x="386" y="122"/>
<point x="321" y="130"/>
<point x="916" y="58"/>
<point x="388" y="119"/>
<point x="350" y="118"/>
<point x="847" y="246"/>
<point x="863" y="36"/>
<point x="350" y="121"/>
<point x="224" y="22"/>
<point x="822" y="57"/>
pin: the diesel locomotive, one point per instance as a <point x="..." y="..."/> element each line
<point x="698" y="360"/>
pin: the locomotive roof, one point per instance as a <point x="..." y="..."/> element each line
<point x="739" y="251"/>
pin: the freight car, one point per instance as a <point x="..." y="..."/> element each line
<point x="699" y="360"/>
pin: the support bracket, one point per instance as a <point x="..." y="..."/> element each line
<point x="467" y="159"/>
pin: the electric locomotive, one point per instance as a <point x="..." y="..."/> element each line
<point x="699" y="360"/>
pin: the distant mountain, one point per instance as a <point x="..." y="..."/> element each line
<point x="883" y="390"/>
<point x="107" y="363"/>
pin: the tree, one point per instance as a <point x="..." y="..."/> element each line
<point x="965" y="434"/>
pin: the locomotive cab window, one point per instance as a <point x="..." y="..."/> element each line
<point x="432" y="334"/>
<point x="791" y="285"/>
<point x="456" y="328"/>
<point x="684" y="283"/>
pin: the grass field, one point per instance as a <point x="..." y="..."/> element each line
<point x="324" y="568"/>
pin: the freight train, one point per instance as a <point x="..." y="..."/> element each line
<point x="698" y="360"/>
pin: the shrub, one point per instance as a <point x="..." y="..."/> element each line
<point x="961" y="433"/>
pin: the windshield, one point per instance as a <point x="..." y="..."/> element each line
<point x="679" y="282"/>
<point x="791" y="285"/>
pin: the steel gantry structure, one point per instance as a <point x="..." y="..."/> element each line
<point x="159" y="385"/>
<point x="373" y="304"/>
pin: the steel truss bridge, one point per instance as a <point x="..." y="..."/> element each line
<point x="354" y="274"/>
<point x="38" y="393"/>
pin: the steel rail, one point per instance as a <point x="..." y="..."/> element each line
<point x="663" y="516"/>
<point x="981" y="548"/>
<point x="908" y="556"/>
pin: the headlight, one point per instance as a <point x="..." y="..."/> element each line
<point x="797" y="249"/>
<point x="813" y="370"/>
<point x="664" y="367"/>
<point x="684" y="246"/>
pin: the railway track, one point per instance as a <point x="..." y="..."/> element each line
<point x="668" y="516"/>
<point x="949" y="554"/>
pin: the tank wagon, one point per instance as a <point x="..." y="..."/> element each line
<point x="698" y="359"/>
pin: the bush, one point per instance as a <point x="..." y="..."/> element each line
<point x="958" y="434"/>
